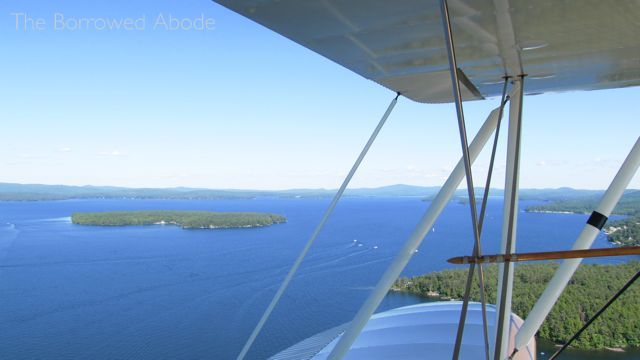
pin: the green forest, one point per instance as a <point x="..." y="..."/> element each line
<point x="588" y="290"/>
<point x="629" y="204"/>
<point x="185" y="219"/>
<point x="625" y="232"/>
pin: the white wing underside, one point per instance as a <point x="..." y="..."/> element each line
<point x="562" y="45"/>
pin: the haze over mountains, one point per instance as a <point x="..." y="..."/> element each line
<point x="32" y="192"/>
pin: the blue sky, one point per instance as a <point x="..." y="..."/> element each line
<point x="242" y="107"/>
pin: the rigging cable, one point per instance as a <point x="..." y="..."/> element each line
<point x="476" y="250"/>
<point x="314" y="236"/>
<point x="457" y="97"/>
<point x="585" y="326"/>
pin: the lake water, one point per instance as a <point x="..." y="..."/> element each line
<point x="161" y="292"/>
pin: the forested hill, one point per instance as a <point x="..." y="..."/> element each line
<point x="32" y="192"/>
<point x="629" y="204"/>
<point x="35" y="192"/>
<point x="621" y="232"/>
<point x="588" y="290"/>
<point x="185" y="219"/>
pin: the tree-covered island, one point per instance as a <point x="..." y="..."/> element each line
<point x="588" y="290"/>
<point x="185" y="219"/>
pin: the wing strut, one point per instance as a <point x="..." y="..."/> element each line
<point x="312" y="239"/>
<point x="415" y="239"/>
<point x="591" y="229"/>
<point x="510" y="220"/>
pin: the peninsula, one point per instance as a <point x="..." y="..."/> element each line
<point x="185" y="219"/>
<point x="589" y="289"/>
<point x="623" y="232"/>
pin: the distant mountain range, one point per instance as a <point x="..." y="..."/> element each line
<point x="33" y="192"/>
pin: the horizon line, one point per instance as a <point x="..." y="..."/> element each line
<point x="293" y="189"/>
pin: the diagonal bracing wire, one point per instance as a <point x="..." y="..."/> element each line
<point x="318" y="229"/>
<point x="476" y="250"/>
<point x="585" y="326"/>
<point x="457" y="95"/>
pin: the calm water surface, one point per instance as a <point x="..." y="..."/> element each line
<point x="160" y="292"/>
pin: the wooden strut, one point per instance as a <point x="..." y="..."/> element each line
<point x="548" y="255"/>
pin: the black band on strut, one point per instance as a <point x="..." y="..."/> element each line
<point x="597" y="220"/>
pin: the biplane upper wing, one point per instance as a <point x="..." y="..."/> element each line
<point x="561" y="45"/>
